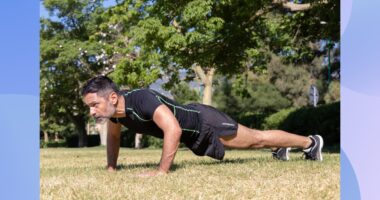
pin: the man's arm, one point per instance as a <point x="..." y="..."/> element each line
<point x="165" y="119"/>
<point x="113" y="144"/>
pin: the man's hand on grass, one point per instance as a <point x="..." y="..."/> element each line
<point x="152" y="173"/>
<point x="111" y="169"/>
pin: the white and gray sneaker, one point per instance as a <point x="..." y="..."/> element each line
<point x="281" y="153"/>
<point x="314" y="152"/>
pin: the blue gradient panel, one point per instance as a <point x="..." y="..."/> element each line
<point x="19" y="40"/>
<point x="360" y="91"/>
<point x="19" y="99"/>
<point x="349" y="182"/>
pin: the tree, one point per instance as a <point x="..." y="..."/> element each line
<point x="201" y="35"/>
<point x="67" y="60"/>
<point x="229" y="37"/>
<point x="243" y="95"/>
<point x="138" y="41"/>
<point x="87" y="40"/>
<point x="183" y="94"/>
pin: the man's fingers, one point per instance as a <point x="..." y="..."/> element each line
<point x="111" y="169"/>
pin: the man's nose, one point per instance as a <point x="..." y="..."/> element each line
<point x="92" y="112"/>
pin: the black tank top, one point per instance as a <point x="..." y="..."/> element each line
<point x="140" y="105"/>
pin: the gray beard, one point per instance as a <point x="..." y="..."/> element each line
<point x="101" y="120"/>
<point x="104" y="119"/>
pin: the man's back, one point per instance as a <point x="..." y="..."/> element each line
<point x="140" y="105"/>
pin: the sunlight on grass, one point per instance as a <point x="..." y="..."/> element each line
<point x="79" y="174"/>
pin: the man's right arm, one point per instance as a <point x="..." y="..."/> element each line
<point x="113" y="145"/>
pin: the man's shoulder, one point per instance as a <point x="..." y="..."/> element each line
<point x="143" y="95"/>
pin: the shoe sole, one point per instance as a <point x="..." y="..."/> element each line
<point x="320" y="147"/>
<point x="287" y="154"/>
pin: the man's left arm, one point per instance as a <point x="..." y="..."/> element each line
<point x="165" y="120"/>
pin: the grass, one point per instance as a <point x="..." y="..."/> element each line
<point x="80" y="174"/>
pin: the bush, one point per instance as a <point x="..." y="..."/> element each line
<point x="274" y="120"/>
<point x="128" y="140"/>
<point x="152" y="142"/>
<point x="92" y="140"/>
<point x="323" y="120"/>
<point x="252" y="120"/>
<point x="49" y="144"/>
<point x="333" y="92"/>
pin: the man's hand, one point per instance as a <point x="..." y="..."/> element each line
<point x="152" y="173"/>
<point x="111" y="169"/>
<point x="113" y="145"/>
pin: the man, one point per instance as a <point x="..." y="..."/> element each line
<point x="202" y="128"/>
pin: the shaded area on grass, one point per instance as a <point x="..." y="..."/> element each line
<point x="186" y="163"/>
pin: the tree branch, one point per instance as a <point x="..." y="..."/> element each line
<point x="293" y="6"/>
<point x="176" y="26"/>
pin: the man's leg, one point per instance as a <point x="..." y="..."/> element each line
<point x="250" y="138"/>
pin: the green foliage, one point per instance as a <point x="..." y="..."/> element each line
<point x="139" y="41"/>
<point x="323" y="120"/>
<point x="244" y="96"/>
<point x="202" y="32"/>
<point x="292" y="81"/>
<point x="275" y="120"/>
<point x="67" y="60"/>
<point x="153" y="142"/>
<point x="92" y="140"/>
<point x="333" y="92"/>
<point x="183" y="94"/>
<point x="85" y="42"/>
<point x="135" y="74"/>
<point x="44" y="144"/>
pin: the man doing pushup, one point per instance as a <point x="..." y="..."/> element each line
<point x="203" y="129"/>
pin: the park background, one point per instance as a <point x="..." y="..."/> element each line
<point x="255" y="61"/>
<point x="360" y="92"/>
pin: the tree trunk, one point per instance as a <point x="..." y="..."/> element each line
<point x="207" y="82"/>
<point x="101" y="128"/>
<point x="46" y="136"/>
<point x="207" y="93"/>
<point x="80" y="126"/>
<point x="138" y="139"/>
<point x="88" y="128"/>
<point x="56" y="139"/>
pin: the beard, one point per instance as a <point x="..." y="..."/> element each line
<point x="101" y="120"/>
<point x="110" y="111"/>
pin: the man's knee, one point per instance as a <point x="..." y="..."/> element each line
<point x="245" y="138"/>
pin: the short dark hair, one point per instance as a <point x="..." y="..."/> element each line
<point x="100" y="85"/>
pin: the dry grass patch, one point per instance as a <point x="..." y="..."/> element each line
<point x="79" y="174"/>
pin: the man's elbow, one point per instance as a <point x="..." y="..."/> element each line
<point x="176" y="131"/>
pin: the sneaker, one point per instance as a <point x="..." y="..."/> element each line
<point x="314" y="152"/>
<point x="281" y="153"/>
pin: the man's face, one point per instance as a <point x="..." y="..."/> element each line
<point x="100" y="107"/>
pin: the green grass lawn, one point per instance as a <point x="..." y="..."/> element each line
<point x="80" y="174"/>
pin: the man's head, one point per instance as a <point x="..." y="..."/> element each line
<point x="101" y="95"/>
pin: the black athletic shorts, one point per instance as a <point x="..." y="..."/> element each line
<point x="214" y="124"/>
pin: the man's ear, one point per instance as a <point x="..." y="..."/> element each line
<point x="113" y="98"/>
